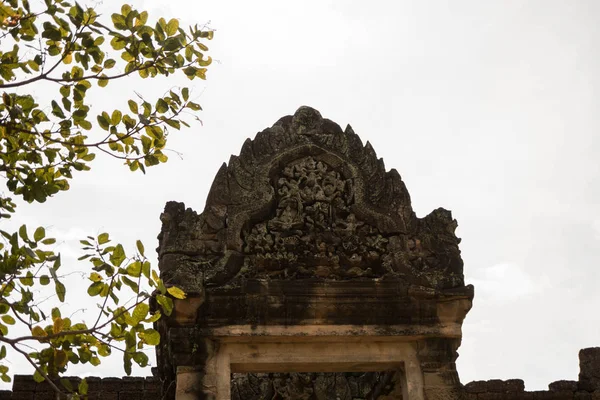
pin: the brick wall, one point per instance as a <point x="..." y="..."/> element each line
<point x="586" y="388"/>
<point x="127" y="388"/>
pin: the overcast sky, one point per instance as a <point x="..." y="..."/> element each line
<point x="487" y="108"/>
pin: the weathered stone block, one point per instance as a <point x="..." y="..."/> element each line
<point x="514" y="385"/>
<point x="24" y="383"/>
<point x="583" y="396"/>
<point x="110" y="396"/>
<point x="476" y="387"/>
<point x="152" y="384"/>
<point x="563" y="386"/>
<point x="491" y="396"/>
<point x="132" y="384"/>
<point x="94" y="384"/>
<point x="131" y="395"/>
<point x="547" y="395"/>
<point x="111" y="384"/>
<point x="23" y="396"/>
<point x="589" y="369"/>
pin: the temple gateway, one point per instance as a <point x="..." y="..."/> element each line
<point x="309" y="276"/>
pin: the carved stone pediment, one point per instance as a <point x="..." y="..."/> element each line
<point x="308" y="258"/>
<point x="307" y="200"/>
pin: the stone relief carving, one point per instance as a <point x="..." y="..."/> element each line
<point x="305" y="199"/>
<point x="315" y="386"/>
<point x="313" y="232"/>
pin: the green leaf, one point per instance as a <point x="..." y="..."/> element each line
<point x="118" y="255"/>
<point x="172" y="27"/>
<point x="103" y="122"/>
<point x="27" y="280"/>
<point x="140" y="247"/>
<point x="56" y="110"/>
<point x="133" y="106"/>
<point x="194" y="106"/>
<point x="140" y="358"/>
<point x="125" y="10"/>
<point x="44" y="280"/>
<point x="60" y="291"/>
<point x="146" y="270"/>
<point x="176" y="292"/>
<point x="127" y="363"/>
<point x="166" y="303"/>
<point x="172" y="44"/>
<point x="38" y="377"/>
<point x="151" y="337"/>
<point x="162" y="106"/>
<point x="140" y="312"/>
<point x="134" y="269"/>
<point x="39" y="234"/>
<point x="119" y="21"/>
<point x="83" y="387"/>
<point x="115" y="119"/>
<point x="103" y="238"/>
<point x="55" y="313"/>
<point x="95" y="288"/>
<point x="108" y="64"/>
<point x="134" y="286"/>
<point x="23" y="232"/>
<point x="8" y="320"/>
<point x="155" y="317"/>
<point x="66" y="384"/>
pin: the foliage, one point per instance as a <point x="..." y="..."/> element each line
<point x="75" y="51"/>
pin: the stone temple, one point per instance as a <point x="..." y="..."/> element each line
<point x="309" y="277"/>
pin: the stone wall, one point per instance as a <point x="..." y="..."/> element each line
<point x="586" y="388"/>
<point x="323" y="387"/>
<point x="126" y="388"/>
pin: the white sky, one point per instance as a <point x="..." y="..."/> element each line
<point x="486" y="108"/>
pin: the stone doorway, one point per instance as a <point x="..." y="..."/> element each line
<point x="278" y="355"/>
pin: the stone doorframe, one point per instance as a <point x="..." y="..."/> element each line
<point x="283" y="354"/>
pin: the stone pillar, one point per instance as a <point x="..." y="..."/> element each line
<point x="189" y="384"/>
<point x="440" y="378"/>
<point x="412" y="383"/>
<point x="207" y="380"/>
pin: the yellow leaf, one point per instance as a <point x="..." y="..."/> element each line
<point x="176" y="292"/>
<point x="58" y="325"/>
<point x="60" y="358"/>
<point x="38" y="331"/>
